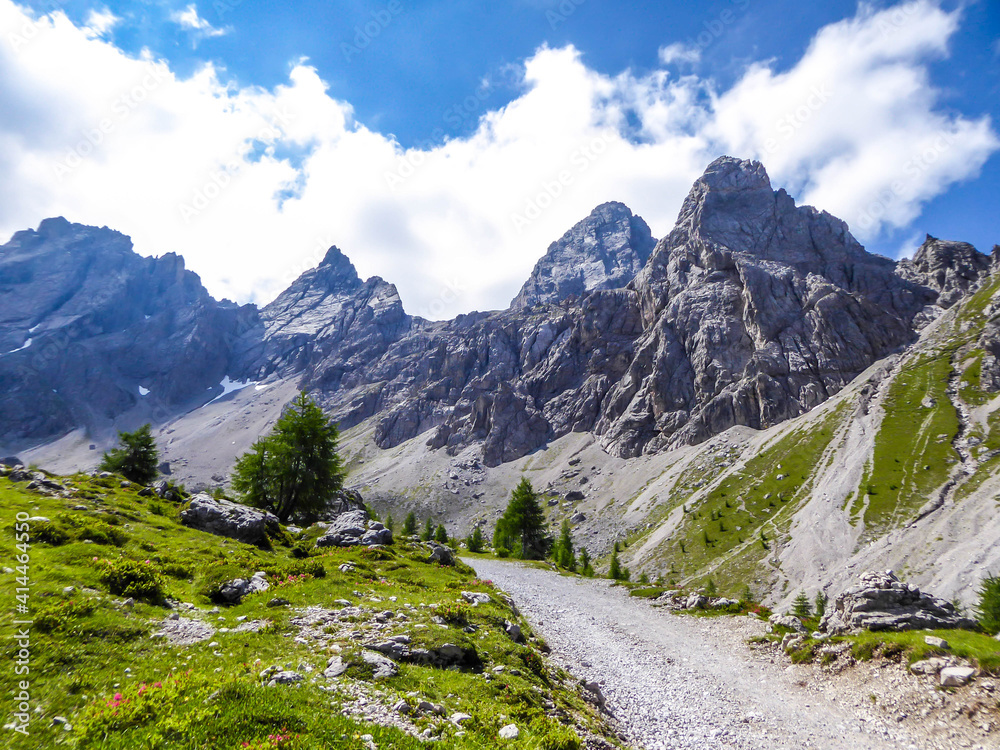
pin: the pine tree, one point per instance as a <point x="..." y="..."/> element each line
<point x="390" y="523"/>
<point x="440" y="534"/>
<point x="988" y="607"/>
<point x="522" y="528"/>
<point x="295" y="469"/>
<point x="410" y="524"/>
<point x="428" y="531"/>
<point x="801" y="607"/>
<point x="475" y="541"/>
<point x="819" y="603"/>
<point x="562" y="552"/>
<point x="135" y="458"/>
<point x="586" y="568"/>
<point x="615" y="569"/>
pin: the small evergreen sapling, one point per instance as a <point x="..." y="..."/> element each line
<point x="801" y="607"/>
<point x="410" y="524"/>
<point x="988" y="608"/>
<point x="475" y="541"/>
<point x="428" y="531"/>
<point x="819" y="604"/>
<point x="441" y="534"/>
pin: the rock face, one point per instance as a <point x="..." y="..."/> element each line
<point x="952" y="269"/>
<point x="604" y="251"/>
<point x="882" y="602"/>
<point x="229" y="519"/>
<point x="90" y="331"/>
<point x="752" y="310"/>
<point x="352" y="528"/>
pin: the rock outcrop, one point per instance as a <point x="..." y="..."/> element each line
<point x="952" y="269"/>
<point x="229" y="519"/>
<point x="604" y="251"/>
<point x="882" y="602"/>
<point x="352" y="528"/>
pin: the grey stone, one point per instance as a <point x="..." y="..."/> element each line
<point x="882" y="602"/>
<point x="229" y="519"/>
<point x="933" y="640"/>
<point x="509" y="732"/>
<point x="956" y="676"/>
<point x="787" y="621"/>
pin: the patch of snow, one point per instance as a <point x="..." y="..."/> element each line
<point x="34" y="328"/>
<point x="230" y="386"/>
<point x="147" y="317"/>
<point x="259" y="387"/>
<point x="143" y="391"/>
<point x="25" y="345"/>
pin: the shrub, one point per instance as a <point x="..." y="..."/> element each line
<point x="49" y="533"/>
<point x="302" y="548"/>
<point x="988" y="608"/>
<point x="533" y="662"/>
<point x="103" y="533"/>
<point x="502" y="552"/>
<point x="453" y="613"/>
<point x="312" y="567"/>
<point x="710" y="588"/>
<point x="56" y="617"/>
<point x="125" y="577"/>
<point x="554" y="736"/>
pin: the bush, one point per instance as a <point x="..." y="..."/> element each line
<point x="454" y="613"/>
<point x="125" y="577"/>
<point x="49" y="533"/>
<point x="103" y="533"/>
<point x="554" y="736"/>
<point x="54" y="618"/>
<point x="988" y="608"/>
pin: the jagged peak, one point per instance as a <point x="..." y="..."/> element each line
<point x="730" y="173"/>
<point x="602" y="251"/>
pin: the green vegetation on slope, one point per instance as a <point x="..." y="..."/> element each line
<point x="913" y="453"/>
<point x="95" y="663"/>
<point x="735" y="526"/>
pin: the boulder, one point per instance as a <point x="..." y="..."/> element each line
<point x="956" y="676"/>
<point x="354" y="527"/>
<point x="441" y="554"/>
<point x="476" y="597"/>
<point x="229" y="519"/>
<point x="509" y="732"/>
<point x="787" y="621"/>
<point x="882" y="602"/>
<point x="233" y="591"/>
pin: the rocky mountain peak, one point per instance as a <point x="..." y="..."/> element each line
<point x="951" y="269"/>
<point x="604" y="251"/>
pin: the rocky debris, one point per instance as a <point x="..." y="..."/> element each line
<point x="952" y="269"/>
<point x="163" y="490"/>
<point x="232" y="592"/>
<point x="352" y="528"/>
<point x="677" y="599"/>
<point x="882" y="602"/>
<point x="459" y="718"/>
<point x="604" y="251"/>
<point x="787" y="621"/>
<point x="182" y="631"/>
<point x="593" y="690"/>
<point x="513" y="631"/>
<point x="229" y="519"/>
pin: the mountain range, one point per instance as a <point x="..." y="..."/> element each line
<point x="641" y="383"/>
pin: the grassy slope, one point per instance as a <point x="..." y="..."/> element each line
<point x="722" y="535"/>
<point x="86" y="646"/>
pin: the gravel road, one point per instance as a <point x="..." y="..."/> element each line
<point x="676" y="681"/>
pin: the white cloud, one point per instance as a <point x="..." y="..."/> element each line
<point x="190" y="20"/>
<point x="201" y="167"/>
<point x="100" y="22"/>
<point x="679" y="52"/>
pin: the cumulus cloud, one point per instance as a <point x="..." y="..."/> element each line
<point x="190" y="20"/>
<point x="679" y="52"/>
<point x="253" y="185"/>
<point x="100" y="22"/>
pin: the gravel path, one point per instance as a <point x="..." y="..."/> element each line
<point x="677" y="681"/>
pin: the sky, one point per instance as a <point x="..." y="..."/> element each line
<point x="444" y="145"/>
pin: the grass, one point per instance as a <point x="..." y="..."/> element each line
<point x="913" y="452"/>
<point x="722" y="533"/>
<point x="94" y="663"/>
<point x="978" y="648"/>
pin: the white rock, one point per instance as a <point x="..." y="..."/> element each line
<point x="510" y="732"/>
<point x="956" y="676"/>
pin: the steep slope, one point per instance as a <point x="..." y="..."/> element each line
<point x="92" y="332"/>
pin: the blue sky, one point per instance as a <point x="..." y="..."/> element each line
<point x="423" y="138"/>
